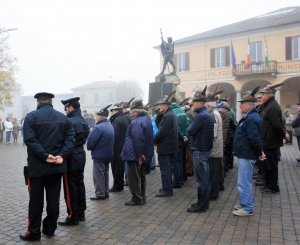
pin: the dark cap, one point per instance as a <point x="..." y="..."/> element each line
<point x="45" y="94"/>
<point x="69" y="101"/>
<point x="104" y="112"/>
<point x="116" y="106"/>
<point x="249" y="96"/>
<point x="137" y="104"/>
<point x="200" y="95"/>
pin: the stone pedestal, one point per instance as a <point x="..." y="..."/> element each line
<point x="168" y="83"/>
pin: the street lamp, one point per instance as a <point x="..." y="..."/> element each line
<point x="12" y="29"/>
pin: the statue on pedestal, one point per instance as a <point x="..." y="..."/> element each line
<point x="167" y="50"/>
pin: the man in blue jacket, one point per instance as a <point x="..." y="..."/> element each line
<point x="247" y="147"/>
<point x="74" y="188"/>
<point x="138" y="149"/>
<point x="201" y="143"/>
<point x="101" y="143"/>
<point x="49" y="137"/>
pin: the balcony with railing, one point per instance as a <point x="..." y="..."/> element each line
<point x="255" y="68"/>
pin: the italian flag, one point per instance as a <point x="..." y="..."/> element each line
<point x="266" y="54"/>
<point x="249" y="54"/>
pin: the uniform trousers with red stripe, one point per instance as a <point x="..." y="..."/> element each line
<point x="36" y="186"/>
<point x="74" y="191"/>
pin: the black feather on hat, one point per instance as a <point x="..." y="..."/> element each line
<point x="104" y="112"/>
<point x="249" y="96"/>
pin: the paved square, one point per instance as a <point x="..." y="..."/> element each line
<point x="276" y="218"/>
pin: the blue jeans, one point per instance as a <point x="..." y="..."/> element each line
<point x="177" y="168"/>
<point x="201" y="169"/>
<point x="126" y="172"/>
<point x="166" y="169"/>
<point x="244" y="183"/>
<point x="153" y="161"/>
<point x="8" y="134"/>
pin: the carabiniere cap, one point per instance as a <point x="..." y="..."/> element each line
<point x="44" y="94"/>
<point x="69" y="101"/>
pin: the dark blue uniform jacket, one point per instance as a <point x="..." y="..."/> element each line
<point x="247" y="140"/>
<point x="47" y="131"/>
<point x="77" y="158"/>
<point x="101" y="141"/>
<point x="139" y="139"/>
<point x="202" y="131"/>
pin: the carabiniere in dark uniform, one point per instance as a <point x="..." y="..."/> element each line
<point x="74" y="188"/>
<point x="49" y="137"/>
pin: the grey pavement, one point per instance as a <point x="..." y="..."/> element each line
<point x="276" y="218"/>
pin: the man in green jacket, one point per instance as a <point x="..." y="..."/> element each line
<point x="183" y="123"/>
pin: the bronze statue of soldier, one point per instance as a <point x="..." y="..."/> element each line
<point x="167" y="50"/>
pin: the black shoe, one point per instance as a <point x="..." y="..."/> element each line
<point x="267" y="191"/>
<point x="28" y="238"/>
<point x="68" y="222"/>
<point x="263" y="188"/>
<point x="152" y="168"/>
<point x="177" y="186"/>
<point x="114" y="190"/>
<point x="194" y="209"/>
<point x="97" y="198"/>
<point x="213" y="198"/>
<point x="298" y="159"/>
<point x="131" y="203"/>
<point x="189" y="175"/>
<point x="106" y="195"/>
<point x="81" y="216"/>
<point x="221" y="189"/>
<point x="230" y="167"/>
<point x="47" y="234"/>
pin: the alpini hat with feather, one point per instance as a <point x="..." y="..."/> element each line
<point x="127" y="104"/>
<point x="166" y="99"/>
<point x="200" y="95"/>
<point x="185" y="102"/>
<point x="137" y="104"/>
<point x="117" y="106"/>
<point x="213" y="97"/>
<point x="270" y="89"/>
<point x="249" y="96"/>
<point x="104" y="112"/>
<point x="147" y="106"/>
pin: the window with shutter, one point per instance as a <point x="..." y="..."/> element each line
<point x="288" y="48"/>
<point x="212" y="58"/>
<point x="296" y="48"/>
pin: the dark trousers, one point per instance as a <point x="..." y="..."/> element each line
<point x="271" y="169"/>
<point x="74" y="191"/>
<point x="1" y="135"/>
<point x="36" y="186"/>
<point x="221" y="174"/>
<point x="228" y="153"/>
<point x="137" y="181"/>
<point x="214" y="169"/>
<point x="291" y="137"/>
<point x="184" y="177"/>
<point x="177" y="168"/>
<point x="117" y="168"/>
<point x="166" y="169"/>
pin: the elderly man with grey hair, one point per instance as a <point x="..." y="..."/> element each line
<point x="289" y="118"/>
<point x="138" y="149"/>
<point x="215" y="162"/>
<point x="247" y="148"/>
<point x="272" y="139"/>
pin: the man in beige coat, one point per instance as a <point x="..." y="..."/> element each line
<point x="215" y="164"/>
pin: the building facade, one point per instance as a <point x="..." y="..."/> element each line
<point x="207" y="59"/>
<point x="96" y="95"/>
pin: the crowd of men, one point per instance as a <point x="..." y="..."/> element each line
<point x="198" y="138"/>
